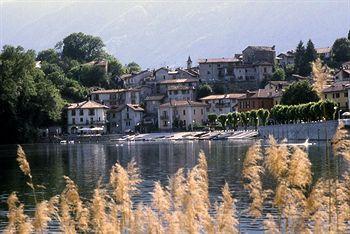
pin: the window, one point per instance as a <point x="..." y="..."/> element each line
<point x="175" y="92"/>
<point x="265" y="70"/>
<point x="73" y="112"/>
<point x="202" y="112"/>
<point x="127" y="116"/>
<point x="184" y="112"/>
<point x="91" y="112"/>
<point x="81" y="120"/>
<point x="113" y="115"/>
<point x="81" y="112"/>
<point x="208" y="72"/>
<point x="91" y="120"/>
<point x="346" y="94"/>
<point x="337" y="95"/>
<point x="194" y="111"/>
<point x="73" y="120"/>
<point x="325" y="96"/>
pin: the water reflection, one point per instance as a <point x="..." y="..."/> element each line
<point x="87" y="163"/>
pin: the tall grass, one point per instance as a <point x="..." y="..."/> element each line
<point x="183" y="206"/>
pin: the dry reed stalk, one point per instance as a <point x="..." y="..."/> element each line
<point x="73" y="213"/>
<point x="178" y="188"/>
<point x="124" y="183"/>
<point x="18" y="222"/>
<point x="42" y="216"/>
<point x="299" y="173"/>
<point x="341" y="143"/>
<point x="160" y="199"/>
<point x="226" y="221"/>
<point x="277" y="158"/>
<point x="320" y="76"/>
<point x="98" y="212"/>
<point x="252" y="171"/>
<point x="270" y="225"/>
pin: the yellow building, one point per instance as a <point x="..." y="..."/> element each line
<point x="338" y="92"/>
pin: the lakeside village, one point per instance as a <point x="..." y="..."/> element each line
<point x="171" y="99"/>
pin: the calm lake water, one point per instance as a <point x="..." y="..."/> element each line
<point x="87" y="163"/>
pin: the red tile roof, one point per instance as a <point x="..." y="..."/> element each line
<point x="86" y="105"/>
<point x="183" y="103"/>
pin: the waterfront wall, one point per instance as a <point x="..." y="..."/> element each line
<point x="300" y="131"/>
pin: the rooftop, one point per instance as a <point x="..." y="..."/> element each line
<point x="337" y="86"/>
<point x="180" y="87"/>
<point x="178" y="81"/>
<point x="261" y="48"/>
<point x="323" y="50"/>
<point x="183" y="103"/>
<point x="154" y="98"/>
<point x="223" y="96"/>
<point x="218" y="60"/>
<point x="86" y="105"/>
<point x="107" y="91"/>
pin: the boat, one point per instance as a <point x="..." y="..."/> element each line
<point x="63" y="142"/>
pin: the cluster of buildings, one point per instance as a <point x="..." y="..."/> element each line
<point x="166" y="99"/>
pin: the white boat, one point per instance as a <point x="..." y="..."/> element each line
<point x="70" y="142"/>
<point x="63" y="142"/>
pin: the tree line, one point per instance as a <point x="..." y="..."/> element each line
<point x="33" y="97"/>
<point x="279" y="114"/>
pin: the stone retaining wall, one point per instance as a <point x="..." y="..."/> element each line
<point x="301" y="131"/>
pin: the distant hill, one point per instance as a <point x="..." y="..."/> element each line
<point x="165" y="33"/>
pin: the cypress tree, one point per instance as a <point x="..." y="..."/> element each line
<point x="299" y="57"/>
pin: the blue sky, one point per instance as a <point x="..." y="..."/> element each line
<point x="157" y="33"/>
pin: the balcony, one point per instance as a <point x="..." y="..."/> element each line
<point x="222" y="105"/>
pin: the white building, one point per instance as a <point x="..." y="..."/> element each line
<point x="135" y="79"/>
<point x="222" y="104"/>
<point x="181" y="114"/>
<point x="116" y="97"/>
<point x="216" y="69"/>
<point x="178" y="93"/>
<point x="125" y="118"/>
<point x="344" y="73"/>
<point x="85" y="117"/>
<point x="163" y="86"/>
<point x="285" y="59"/>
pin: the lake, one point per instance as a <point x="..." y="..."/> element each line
<point x="86" y="164"/>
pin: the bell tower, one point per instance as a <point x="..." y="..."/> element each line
<point x="189" y="63"/>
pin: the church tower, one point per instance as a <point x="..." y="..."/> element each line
<point x="189" y="63"/>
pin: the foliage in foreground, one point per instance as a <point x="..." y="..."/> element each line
<point x="302" y="205"/>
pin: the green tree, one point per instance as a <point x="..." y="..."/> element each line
<point x="309" y="56"/>
<point x="278" y="74"/>
<point x="299" y="92"/>
<point x="212" y="118"/>
<point x="82" y="47"/>
<point x="49" y="56"/>
<point x="133" y="68"/>
<point x="253" y="116"/>
<point x="222" y="119"/>
<point x="341" y="50"/>
<point x="263" y="116"/>
<point x="219" y="88"/>
<point x="90" y="76"/>
<point x="203" y="91"/>
<point x="289" y="71"/>
<point x="245" y="119"/>
<point x="299" y="58"/>
<point x="28" y="99"/>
